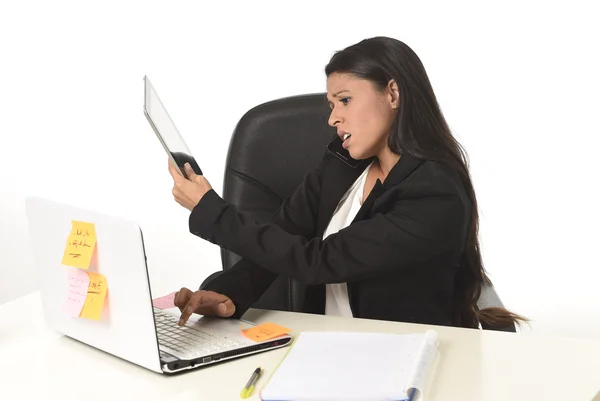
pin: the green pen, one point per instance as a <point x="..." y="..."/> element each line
<point x="249" y="388"/>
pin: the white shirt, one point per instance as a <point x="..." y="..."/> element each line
<point x="336" y="295"/>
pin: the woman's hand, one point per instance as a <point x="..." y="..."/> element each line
<point x="206" y="303"/>
<point x="188" y="191"/>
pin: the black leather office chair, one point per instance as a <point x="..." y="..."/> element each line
<point x="273" y="146"/>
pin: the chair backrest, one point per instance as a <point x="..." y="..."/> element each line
<point x="273" y="146"/>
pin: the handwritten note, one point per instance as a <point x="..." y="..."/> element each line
<point x="96" y="293"/>
<point x="166" y="302"/>
<point x="77" y="289"/>
<point x="265" y="331"/>
<point x="80" y="245"/>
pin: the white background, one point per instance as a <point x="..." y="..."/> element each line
<point x="518" y="83"/>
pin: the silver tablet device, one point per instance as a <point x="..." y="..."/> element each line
<point x="165" y="130"/>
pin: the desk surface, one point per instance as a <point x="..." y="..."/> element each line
<point x="39" y="364"/>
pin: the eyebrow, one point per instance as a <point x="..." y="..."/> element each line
<point x="336" y="94"/>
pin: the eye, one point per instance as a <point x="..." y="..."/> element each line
<point x="345" y="100"/>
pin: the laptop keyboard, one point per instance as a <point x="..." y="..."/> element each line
<point x="189" y="341"/>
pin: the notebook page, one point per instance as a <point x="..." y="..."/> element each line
<point x="332" y="366"/>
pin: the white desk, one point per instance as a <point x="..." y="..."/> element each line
<point x="38" y="364"/>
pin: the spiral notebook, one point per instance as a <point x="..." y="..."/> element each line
<point x="354" y="366"/>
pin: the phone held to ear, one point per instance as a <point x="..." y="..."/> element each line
<point x="335" y="148"/>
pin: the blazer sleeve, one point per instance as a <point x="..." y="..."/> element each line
<point x="246" y="281"/>
<point x="429" y="222"/>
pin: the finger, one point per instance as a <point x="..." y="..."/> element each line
<point x="176" y="191"/>
<point x="189" y="172"/>
<point x="208" y="303"/>
<point x="219" y="305"/>
<point x="171" y="166"/>
<point x="215" y="297"/>
<point x="176" y="197"/>
<point x="193" y="303"/>
<point x="174" y="173"/>
<point x="213" y="305"/>
<point x="182" y="297"/>
<point x="181" y="189"/>
<point x="226" y="309"/>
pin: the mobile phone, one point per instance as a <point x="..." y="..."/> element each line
<point x="335" y="148"/>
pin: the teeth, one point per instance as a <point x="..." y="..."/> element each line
<point x="346" y="136"/>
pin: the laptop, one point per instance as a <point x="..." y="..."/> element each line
<point x="166" y="131"/>
<point x="129" y="326"/>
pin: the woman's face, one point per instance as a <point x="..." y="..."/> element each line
<point x="361" y="113"/>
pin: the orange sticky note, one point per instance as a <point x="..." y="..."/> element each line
<point x="94" y="301"/>
<point x="80" y="245"/>
<point x="265" y="331"/>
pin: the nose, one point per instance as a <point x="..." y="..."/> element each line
<point x="334" y="118"/>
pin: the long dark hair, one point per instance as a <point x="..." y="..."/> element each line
<point x="420" y="130"/>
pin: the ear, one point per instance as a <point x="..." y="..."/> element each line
<point x="393" y="94"/>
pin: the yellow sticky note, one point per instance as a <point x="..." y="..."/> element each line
<point x="80" y="245"/>
<point x="94" y="301"/>
<point x="265" y="331"/>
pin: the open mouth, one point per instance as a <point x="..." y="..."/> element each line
<point x="345" y="140"/>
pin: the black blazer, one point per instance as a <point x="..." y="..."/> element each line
<point x="399" y="256"/>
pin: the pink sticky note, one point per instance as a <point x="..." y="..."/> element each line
<point x="166" y="302"/>
<point x="77" y="289"/>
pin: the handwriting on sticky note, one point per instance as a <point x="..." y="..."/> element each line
<point x="77" y="288"/>
<point x="80" y="245"/>
<point x="166" y="302"/>
<point x="265" y="331"/>
<point x="96" y="294"/>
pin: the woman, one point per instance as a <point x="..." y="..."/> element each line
<point x="392" y="238"/>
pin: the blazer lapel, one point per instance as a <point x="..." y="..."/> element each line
<point x="339" y="177"/>
<point x="402" y="169"/>
<point x="406" y="165"/>
<point x="336" y="181"/>
<point x="368" y="203"/>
